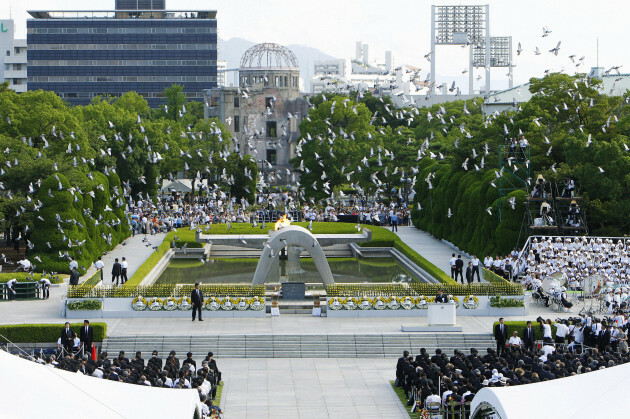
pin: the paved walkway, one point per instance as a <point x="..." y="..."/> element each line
<point x="309" y="388"/>
<point x="432" y="249"/>
<point x="135" y="249"/>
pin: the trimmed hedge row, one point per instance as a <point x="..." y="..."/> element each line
<point x="31" y="333"/>
<point x="21" y="277"/>
<point x="493" y="278"/>
<point x="520" y="325"/>
<point x="431" y="269"/>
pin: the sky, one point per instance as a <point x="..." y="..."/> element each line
<point x="403" y="26"/>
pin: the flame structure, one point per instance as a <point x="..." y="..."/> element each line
<point x="282" y="223"/>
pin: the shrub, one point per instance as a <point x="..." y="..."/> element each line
<point x="520" y="325"/>
<point x="31" y="333"/>
<point x="499" y="302"/>
<point x="84" y="305"/>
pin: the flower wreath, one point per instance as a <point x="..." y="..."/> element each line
<point x="365" y="303"/>
<point x="227" y="303"/>
<point x="350" y="303"/>
<point x="454" y="299"/>
<point x="407" y="302"/>
<point x="335" y="303"/>
<point x="139" y="303"/>
<point x="471" y="302"/>
<point x="257" y="303"/>
<point x="393" y="303"/>
<point x="155" y="304"/>
<point x="184" y="303"/>
<point x="212" y="304"/>
<point x="170" y="304"/>
<point x="241" y="303"/>
<point x="423" y="302"/>
<point x="380" y="302"/>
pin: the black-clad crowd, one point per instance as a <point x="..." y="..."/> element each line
<point x="154" y="372"/>
<point x="440" y="379"/>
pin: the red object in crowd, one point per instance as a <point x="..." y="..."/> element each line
<point x="94" y="358"/>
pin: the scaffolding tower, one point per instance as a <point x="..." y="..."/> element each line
<point x="514" y="162"/>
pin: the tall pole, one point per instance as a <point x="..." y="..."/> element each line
<point x="487" y="60"/>
<point x="432" y="56"/>
<point x="470" y="68"/>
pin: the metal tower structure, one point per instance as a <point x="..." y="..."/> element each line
<point x="512" y="180"/>
<point x="500" y="55"/>
<point x="461" y="25"/>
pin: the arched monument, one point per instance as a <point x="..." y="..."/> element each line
<point x="296" y="239"/>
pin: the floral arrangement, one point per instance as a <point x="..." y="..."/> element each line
<point x="155" y="304"/>
<point x="365" y="303"/>
<point x="335" y="303"/>
<point x="139" y="303"/>
<point x="257" y="303"/>
<point x="380" y="302"/>
<point x="393" y="303"/>
<point x="453" y="299"/>
<point x="422" y="302"/>
<point x="350" y="303"/>
<point x="227" y="303"/>
<point x="184" y="303"/>
<point x="212" y="304"/>
<point x="242" y="303"/>
<point x="170" y="304"/>
<point x="85" y="305"/>
<point x="471" y="301"/>
<point x="407" y="302"/>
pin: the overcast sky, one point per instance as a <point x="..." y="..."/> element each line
<point x="403" y="26"/>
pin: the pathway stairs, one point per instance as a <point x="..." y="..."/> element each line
<point x="299" y="346"/>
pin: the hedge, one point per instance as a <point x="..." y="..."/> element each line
<point x="85" y="305"/>
<point x="493" y="278"/>
<point x="31" y="333"/>
<point x="520" y="325"/>
<point x="430" y="268"/>
<point x="144" y="269"/>
<point x="20" y="276"/>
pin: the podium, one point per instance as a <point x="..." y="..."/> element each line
<point x="442" y="314"/>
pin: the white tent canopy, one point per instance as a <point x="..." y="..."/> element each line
<point x="601" y="393"/>
<point x="32" y="390"/>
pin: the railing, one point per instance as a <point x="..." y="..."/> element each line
<point x="23" y="291"/>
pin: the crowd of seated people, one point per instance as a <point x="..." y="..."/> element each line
<point x="578" y="258"/>
<point x="153" y="372"/>
<point x="452" y="381"/>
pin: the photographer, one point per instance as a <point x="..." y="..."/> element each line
<point x="574" y="212"/>
<point x="539" y="188"/>
<point x="545" y="326"/>
<point x="562" y="330"/>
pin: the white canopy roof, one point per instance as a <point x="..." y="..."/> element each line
<point x="601" y="393"/>
<point x="32" y="390"/>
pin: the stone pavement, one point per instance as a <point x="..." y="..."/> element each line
<point x="432" y="249"/>
<point x="309" y="388"/>
<point x="135" y="250"/>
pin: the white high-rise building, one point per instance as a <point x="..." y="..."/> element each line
<point x="12" y="57"/>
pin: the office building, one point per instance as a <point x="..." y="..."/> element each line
<point x="138" y="47"/>
<point x="12" y="57"/>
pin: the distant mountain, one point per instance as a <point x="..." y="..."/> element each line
<point x="232" y="50"/>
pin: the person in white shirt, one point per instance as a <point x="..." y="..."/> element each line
<point x="487" y="262"/>
<point x="561" y="332"/>
<point x="10" y="288"/>
<point x="99" y="265"/>
<point x="123" y="272"/>
<point x="475" y="268"/>
<point x="547" y="338"/>
<point x="452" y="262"/>
<point x="515" y="341"/>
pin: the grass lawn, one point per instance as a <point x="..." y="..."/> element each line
<point x="401" y="395"/>
<point x="217" y="399"/>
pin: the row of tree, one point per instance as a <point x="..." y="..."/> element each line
<point x="449" y="153"/>
<point x="68" y="172"/>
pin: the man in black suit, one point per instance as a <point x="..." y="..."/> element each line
<point x="116" y="271"/>
<point x="87" y="337"/>
<point x="155" y="360"/>
<point x="459" y="268"/>
<point x="74" y="276"/>
<point x="500" y="335"/>
<point x="440" y="297"/>
<point x="469" y="273"/>
<point x="529" y="337"/>
<point x="197" y="301"/>
<point x="66" y="338"/>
